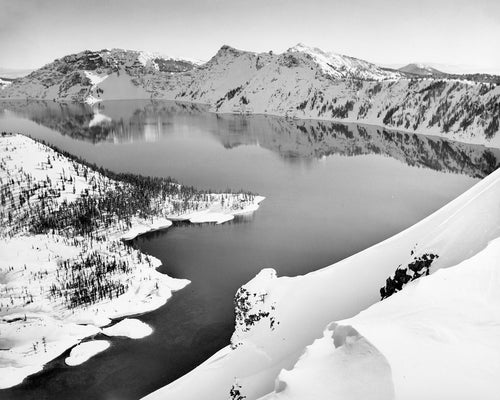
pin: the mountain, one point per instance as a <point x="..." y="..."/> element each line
<point x="422" y="70"/>
<point x="302" y="82"/>
<point x="87" y="75"/>
<point x="382" y="324"/>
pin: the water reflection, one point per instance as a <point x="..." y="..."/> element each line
<point x="294" y="140"/>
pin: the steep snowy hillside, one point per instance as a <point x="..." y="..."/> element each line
<point x="302" y="82"/>
<point x="295" y="86"/>
<point x="422" y="70"/>
<point x="442" y="330"/>
<point x="277" y="318"/>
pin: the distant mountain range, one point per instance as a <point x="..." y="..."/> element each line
<point x="422" y="70"/>
<point x="302" y="82"/>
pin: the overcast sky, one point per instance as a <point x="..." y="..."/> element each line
<point x="391" y="32"/>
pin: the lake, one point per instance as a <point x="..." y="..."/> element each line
<point x="331" y="191"/>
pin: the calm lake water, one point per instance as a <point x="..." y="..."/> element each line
<point x="331" y="190"/>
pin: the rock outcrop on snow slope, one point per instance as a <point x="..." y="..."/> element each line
<point x="452" y="312"/>
<point x="303" y="82"/>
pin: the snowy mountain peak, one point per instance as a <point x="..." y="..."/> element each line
<point x="339" y="66"/>
<point x="421" y="70"/>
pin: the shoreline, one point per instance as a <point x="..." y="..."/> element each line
<point x="37" y="320"/>
<point x="374" y="123"/>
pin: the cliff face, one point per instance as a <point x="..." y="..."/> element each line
<point x="300" y="83"/>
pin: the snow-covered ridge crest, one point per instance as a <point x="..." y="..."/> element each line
<point x="281" y="316"/>
<point x="340" y="66"/>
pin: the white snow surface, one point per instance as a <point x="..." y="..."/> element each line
<point x="436" y="339"/>
<point x="83" y="351"/>
<point x="442" y="324"/>
<point x="129" y="327"/>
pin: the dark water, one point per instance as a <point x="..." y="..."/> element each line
<point x="331" y="189"/>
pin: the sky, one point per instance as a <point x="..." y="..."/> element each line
<point x="459" y="35"/>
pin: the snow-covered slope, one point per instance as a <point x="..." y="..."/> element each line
<point x="437" y="339"/>
<point x="421" y="70"/>
<point x="277" y="318"/>
<point x="295" y="86"/>
<point x="308" y="83"/>
<point x="302" y="82"/>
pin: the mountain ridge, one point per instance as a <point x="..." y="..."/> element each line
<point x="302" y="82"/>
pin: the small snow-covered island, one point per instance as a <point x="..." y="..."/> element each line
<point x="66" y="271"/>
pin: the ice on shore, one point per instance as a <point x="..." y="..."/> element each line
<point x="128" y="327"/>
<point x="83" y="351"/>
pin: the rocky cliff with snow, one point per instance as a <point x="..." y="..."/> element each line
<point x="88" y="75"/>
<point x="302" y="82"/>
